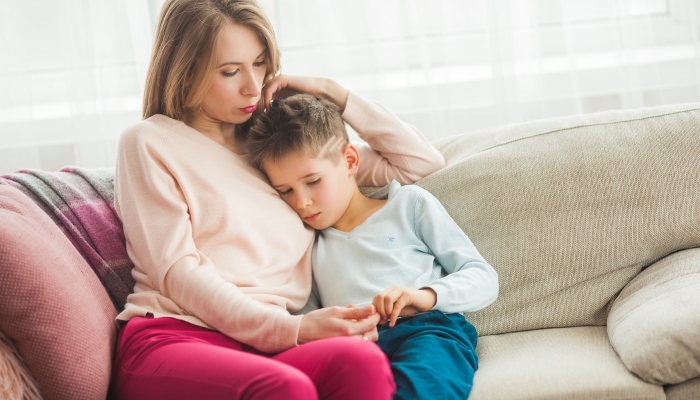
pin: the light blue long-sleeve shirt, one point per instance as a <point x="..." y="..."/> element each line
<point x="411" y="241"/>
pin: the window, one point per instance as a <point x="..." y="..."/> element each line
<point x="74" y="78"/>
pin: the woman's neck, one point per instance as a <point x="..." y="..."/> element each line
<point x="360" y="208"/>
<point x="220" y="132"/>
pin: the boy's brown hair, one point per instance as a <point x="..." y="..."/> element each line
<point x="301" y="123"/>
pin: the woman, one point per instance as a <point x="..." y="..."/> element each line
<point x="221" y="262"/>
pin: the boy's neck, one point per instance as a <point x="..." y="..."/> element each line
<point x="359" y="209"/>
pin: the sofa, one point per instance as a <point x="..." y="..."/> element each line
<point x="592" y="222"/>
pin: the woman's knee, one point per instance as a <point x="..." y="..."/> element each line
<point x="361" y="357"/>
<point x="285" y="383"/>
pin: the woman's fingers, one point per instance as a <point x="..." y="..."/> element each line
<point x="357" y="313"/>
<point x="286" y="85"/>
<point x="272" y="88"/>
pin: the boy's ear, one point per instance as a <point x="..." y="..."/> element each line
<point x="352" y="158"/>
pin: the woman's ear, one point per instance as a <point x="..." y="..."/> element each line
<point x="352" y="158"/>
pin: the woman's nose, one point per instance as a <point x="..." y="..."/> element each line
<point x="251" y="85"/>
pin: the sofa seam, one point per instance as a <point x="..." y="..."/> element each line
<point x="581" y="126"/>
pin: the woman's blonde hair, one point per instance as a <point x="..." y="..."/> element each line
<point x="184" y="54"/>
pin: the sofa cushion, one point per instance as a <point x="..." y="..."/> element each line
<point x="52" y="306"/>
<point x="569" y="210"/>
<point x="561" y="364"/>
<point x="688" y="390"/>
<point x="654" y="324"/>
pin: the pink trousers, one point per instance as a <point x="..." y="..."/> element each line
<point x="165" y="358"/>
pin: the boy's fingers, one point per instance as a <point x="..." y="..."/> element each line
<point x="390" y="300"/>
<point x="398" y="306"/>
<point x="379" y="305"/>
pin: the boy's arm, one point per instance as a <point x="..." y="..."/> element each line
<point x="394" y="149"/>
<point x="472" y="283"/>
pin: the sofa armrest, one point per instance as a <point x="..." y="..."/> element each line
<point x="654" y="324"/>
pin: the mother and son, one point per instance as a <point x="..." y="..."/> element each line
<point x="242" y="215"/>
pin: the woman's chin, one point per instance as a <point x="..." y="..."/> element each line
<point x="239" y="118"/>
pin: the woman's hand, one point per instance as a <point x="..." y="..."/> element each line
<point x="287" y="85"/>
<point x="401" y="301"/>
<point x="339" y="321"/>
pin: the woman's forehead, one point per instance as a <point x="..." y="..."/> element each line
<point x="238" y="44"/>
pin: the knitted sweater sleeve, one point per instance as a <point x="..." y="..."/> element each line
<point x="393" y="148"/>
<point x="160" y="242"/>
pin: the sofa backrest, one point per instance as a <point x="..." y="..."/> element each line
<point x="569" y="210"/>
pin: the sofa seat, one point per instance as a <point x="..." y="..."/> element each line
<point x="684" y="391"/>
<point x="561" y="363"/>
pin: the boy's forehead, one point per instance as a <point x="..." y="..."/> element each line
<point x="294" y="166"/>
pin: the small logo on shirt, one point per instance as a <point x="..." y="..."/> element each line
<point x="390" y="239"/>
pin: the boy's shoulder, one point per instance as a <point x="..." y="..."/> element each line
<point x="396" y="191"/>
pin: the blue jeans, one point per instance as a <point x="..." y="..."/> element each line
<point x="432" y="355"/>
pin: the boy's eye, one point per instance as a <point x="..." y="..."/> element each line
<point x="315" y="182"/>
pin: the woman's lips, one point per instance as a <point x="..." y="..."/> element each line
<point x="311" y="218"/>
<point x="249" y="109"/>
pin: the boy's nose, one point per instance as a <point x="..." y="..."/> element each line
<point x="303" y="202"/>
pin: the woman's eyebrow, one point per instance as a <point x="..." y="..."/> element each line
<point x="239" y="63"/>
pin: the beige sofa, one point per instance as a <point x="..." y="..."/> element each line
<point x="593" y="224"/>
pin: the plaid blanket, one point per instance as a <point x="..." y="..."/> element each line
<point x="81" y="202"/>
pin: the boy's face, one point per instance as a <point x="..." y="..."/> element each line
<point x="316" y="188"/>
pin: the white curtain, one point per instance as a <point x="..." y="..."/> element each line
<point x="72" y="71"/>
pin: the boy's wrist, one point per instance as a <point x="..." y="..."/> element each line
<point x="428" y="298"/>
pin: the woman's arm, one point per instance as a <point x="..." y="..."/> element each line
<point x="394" y="149"/>
<point x="160" y="241"/>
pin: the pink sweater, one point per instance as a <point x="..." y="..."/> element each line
<point x="212" y="242"/>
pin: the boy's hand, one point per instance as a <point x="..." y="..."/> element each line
<point x="401" y="301"/>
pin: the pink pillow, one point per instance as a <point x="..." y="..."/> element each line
<point x="52" y="306"/>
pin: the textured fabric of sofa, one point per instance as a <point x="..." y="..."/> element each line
<point x="569" y="211"/>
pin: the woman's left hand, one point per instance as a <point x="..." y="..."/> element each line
<point x="286" y="85"/>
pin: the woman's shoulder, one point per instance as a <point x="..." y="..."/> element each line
<point x="154" y="128"/>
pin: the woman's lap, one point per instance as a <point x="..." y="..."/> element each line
<point x="169" y="358"/>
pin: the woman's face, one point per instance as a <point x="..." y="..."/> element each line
<point x="240" y="70"/>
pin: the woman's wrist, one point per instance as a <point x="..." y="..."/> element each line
<point x="336" y="93"/>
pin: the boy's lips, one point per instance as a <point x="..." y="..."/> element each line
<point x="312" y="217"/>
<point x="249" y="109"/>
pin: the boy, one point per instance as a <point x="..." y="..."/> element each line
<point x="398" y="249"/>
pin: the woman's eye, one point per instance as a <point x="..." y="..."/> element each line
<point x="286" y="192"/>
<point x="230" y="73"/>
<point x="315" y="182"/>
<point x="259" y="63"/>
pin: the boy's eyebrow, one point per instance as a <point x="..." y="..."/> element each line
<point x="239" y="63"/>
<point x="303" y="177"/>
